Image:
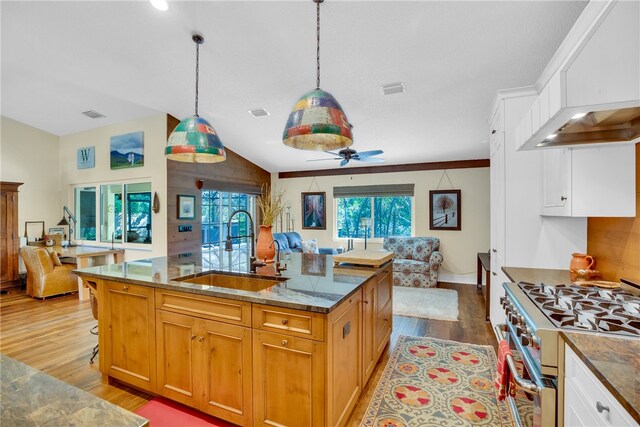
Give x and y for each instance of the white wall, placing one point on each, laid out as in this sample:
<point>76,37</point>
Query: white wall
<point>154,170</point>
<point>459,248</point>
<point>30,155</point>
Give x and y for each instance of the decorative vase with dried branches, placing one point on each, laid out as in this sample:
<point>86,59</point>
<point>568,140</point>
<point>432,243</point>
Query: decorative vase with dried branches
<point>271,206</point>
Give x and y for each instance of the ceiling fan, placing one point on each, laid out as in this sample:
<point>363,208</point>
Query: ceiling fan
<point>347,154</point>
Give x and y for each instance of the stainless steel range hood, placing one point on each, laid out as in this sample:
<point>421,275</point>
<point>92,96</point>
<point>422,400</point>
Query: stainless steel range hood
<point>619,125</point>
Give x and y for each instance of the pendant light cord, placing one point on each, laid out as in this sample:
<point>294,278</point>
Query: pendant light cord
<point>197,73</point>
<point>318,43</point>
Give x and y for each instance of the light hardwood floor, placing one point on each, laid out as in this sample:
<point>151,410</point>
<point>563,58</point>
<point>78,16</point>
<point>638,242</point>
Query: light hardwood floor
<point>53,336</point>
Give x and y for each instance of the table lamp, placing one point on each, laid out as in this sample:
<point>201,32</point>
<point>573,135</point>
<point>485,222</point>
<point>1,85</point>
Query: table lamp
<point>68,222</point>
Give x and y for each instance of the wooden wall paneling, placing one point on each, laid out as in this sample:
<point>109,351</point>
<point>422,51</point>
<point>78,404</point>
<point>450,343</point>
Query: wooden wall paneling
<point>181,179</point>
<point>615,242</point>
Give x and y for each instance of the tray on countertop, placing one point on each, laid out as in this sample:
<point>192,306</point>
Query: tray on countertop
<point>362,257</point>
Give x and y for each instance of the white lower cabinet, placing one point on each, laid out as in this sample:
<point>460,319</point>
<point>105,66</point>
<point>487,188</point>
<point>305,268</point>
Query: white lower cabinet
<point>586,401</point>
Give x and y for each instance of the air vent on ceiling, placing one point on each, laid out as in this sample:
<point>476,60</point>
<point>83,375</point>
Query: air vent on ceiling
<point>259,112</point>
<point>93,114</point>
<point>393,88</point>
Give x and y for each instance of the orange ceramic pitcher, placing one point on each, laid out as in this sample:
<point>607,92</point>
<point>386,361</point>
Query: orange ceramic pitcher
<point>582,262</point>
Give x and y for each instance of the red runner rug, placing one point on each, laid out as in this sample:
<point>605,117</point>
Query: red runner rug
<point>162,412</point>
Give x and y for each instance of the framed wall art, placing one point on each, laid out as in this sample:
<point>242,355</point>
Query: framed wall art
<point>186,206</point>
<point>445,210</point>
<point>86,157</point>
<point>314,215</point>
<point>127,151</point>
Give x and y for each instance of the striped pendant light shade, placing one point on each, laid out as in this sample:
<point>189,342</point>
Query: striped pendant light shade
<point>195,140</point>
<point>317,122</point>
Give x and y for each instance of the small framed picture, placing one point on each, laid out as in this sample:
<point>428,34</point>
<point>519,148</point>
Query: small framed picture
<point>445,210</point>
<point>186,207</point>
<point>314,215</point>
<point>56,230</point>
<point>86,157</point>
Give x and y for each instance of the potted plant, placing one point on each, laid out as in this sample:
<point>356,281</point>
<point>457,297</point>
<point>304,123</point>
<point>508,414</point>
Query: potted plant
<point>271,206</point>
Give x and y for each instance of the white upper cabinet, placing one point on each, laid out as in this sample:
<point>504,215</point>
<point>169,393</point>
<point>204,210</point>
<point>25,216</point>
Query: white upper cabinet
<point>589,182</point>
<point>599,71</point>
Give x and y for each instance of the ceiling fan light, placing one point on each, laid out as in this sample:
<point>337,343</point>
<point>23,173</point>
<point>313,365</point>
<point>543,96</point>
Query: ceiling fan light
<point>195,140</point>
<point>317,122</point>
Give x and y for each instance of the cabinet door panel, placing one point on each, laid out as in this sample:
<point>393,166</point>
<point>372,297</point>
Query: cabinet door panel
<point>176,337</point>
<point>288,380</point>
<point>369,358</point>
<point>226,375</point>
<point>129,326</point>
<point>345,364</point>
<point>556,182</point>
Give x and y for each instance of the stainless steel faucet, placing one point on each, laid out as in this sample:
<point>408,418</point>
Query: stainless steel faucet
<point>228,245</point>
<point>278,267</point>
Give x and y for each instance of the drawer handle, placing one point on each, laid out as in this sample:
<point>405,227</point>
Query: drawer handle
<point>284,343</point>
<point>600,407</point>
<point>193,337</point>
<point>365,302</point>
<point>200,338</point>
<point>494,273</point>
<point>563,198</point>
<point>285,321</point>
<point>125,288</point>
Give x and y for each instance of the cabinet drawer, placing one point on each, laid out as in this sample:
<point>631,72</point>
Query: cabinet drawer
<point>582,385</point>
<point>295,322</point>
<point>221,309</point>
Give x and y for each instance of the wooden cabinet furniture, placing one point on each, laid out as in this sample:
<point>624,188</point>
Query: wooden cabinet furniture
<point>127,333</point>
<point>9,238</point>
<point>595,181</point>
<point>202,363</point>
<point>586,401</point>
<point>248,363</point>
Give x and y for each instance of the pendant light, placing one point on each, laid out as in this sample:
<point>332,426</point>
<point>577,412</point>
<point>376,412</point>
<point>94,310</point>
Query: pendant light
<point>317,121</point>
<point>194,139</point>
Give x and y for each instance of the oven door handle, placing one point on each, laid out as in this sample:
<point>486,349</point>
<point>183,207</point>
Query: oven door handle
<point>528,386</point>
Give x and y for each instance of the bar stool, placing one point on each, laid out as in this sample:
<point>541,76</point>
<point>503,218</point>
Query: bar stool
<point>94,330</point>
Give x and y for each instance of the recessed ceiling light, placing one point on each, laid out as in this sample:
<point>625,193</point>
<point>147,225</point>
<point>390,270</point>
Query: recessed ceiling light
<point>160,4</point>
<point>578,116</point>
<point>259,112</point>
<point>392,88</point>
<point>93,114</point>
<point>551,136</point>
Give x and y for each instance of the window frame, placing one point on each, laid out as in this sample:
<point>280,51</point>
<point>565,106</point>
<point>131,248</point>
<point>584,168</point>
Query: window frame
<point>98,240</point>
<point>371,239</point>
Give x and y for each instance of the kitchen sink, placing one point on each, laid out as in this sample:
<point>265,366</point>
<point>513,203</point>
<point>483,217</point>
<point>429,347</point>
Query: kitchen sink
<point>245,283</point>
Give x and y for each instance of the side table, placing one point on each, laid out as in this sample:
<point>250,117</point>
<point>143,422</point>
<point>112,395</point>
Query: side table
<point>484,263</point>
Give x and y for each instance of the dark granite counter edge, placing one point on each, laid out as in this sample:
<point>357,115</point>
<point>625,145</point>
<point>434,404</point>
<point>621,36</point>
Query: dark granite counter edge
<point>221,293</point>
<point>504,270</point>
<point>633,412</point>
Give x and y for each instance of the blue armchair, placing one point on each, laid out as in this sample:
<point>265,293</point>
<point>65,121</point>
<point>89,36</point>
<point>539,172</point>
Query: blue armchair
<point>292,242</point>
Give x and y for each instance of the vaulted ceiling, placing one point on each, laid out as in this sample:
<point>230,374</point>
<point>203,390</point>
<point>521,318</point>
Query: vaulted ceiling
<point>127,60</point>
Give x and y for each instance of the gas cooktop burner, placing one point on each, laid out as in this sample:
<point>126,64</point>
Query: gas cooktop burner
<point>587,308</point>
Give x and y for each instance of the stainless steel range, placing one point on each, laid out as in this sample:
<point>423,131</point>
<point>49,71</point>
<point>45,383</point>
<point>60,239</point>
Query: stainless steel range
<point>535,315</point>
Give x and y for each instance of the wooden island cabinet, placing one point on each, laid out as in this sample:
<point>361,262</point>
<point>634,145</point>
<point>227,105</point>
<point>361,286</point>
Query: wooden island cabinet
<point>253,364</point>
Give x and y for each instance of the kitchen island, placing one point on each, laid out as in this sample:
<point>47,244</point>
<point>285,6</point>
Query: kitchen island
<point>261,349</point>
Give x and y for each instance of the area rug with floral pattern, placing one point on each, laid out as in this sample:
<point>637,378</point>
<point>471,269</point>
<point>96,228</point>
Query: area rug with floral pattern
<point>432,382</point>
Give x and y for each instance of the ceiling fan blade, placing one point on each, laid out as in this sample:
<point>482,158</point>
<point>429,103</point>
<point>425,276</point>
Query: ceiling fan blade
<point>319,160</point>
<point>370,160</point>
<point>369,153</point>
<point>332,153</point>
<point>344,162</point>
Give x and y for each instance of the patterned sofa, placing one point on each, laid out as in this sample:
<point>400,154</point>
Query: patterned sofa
<point>416,261</point>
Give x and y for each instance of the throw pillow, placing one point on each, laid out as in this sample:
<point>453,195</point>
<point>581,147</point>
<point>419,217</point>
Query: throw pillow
<point>55,259</point>
<point>309,247</point>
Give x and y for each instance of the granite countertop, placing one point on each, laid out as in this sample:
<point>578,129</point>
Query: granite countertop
<point>310,282</point>
<point>613,360</point>
<point>33,398</point>
<point>537,275</point>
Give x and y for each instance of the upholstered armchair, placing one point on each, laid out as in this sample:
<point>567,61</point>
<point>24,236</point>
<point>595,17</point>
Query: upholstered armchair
<point>44,277</point>
<point>416,261</point>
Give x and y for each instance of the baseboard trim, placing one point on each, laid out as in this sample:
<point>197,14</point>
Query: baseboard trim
<point>467,279</point>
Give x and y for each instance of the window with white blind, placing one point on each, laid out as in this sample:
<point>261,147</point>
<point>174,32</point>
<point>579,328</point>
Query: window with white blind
<point>375,210</point>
